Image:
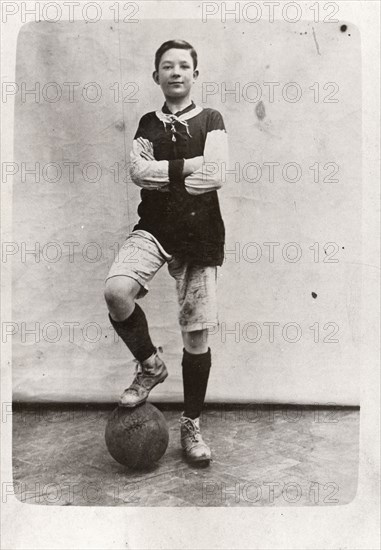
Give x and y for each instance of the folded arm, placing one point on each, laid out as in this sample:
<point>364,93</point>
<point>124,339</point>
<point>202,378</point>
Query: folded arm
<point>202,174</point>
<point>145,171</point>
<point>207,176</point>
<point>199,175</point>
<point>149,173</point>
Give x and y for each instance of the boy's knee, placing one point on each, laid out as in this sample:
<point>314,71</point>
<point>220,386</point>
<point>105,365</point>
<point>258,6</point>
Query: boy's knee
<point>196,341</point>
<point>120,290</point>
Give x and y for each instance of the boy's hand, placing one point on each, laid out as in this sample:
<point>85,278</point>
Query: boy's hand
<point>146,149</point>
<point>191,165</point>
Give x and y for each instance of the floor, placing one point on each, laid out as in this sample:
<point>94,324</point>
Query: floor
<point>262,456</point>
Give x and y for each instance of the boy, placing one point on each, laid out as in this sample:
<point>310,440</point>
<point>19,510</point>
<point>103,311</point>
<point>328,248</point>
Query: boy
<point>175,159</point>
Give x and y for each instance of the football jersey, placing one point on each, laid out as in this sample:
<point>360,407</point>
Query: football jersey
<point>183,213</point>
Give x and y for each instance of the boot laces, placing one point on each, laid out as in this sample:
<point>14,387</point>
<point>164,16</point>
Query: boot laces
<point>138,380</point>
<point>193,431</point>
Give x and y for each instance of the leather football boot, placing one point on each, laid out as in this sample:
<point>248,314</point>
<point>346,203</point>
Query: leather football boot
<point>195,449</point>
<point>148,374</point>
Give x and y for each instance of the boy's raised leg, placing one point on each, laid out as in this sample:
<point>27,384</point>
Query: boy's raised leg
<point>133,330</point>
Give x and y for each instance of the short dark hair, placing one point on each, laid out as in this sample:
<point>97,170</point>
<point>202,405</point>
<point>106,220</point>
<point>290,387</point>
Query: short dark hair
<point>178,44</point>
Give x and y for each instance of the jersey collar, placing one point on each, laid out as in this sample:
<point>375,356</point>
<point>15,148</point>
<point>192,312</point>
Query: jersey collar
<point>186,110</point>
<point>189,112</point>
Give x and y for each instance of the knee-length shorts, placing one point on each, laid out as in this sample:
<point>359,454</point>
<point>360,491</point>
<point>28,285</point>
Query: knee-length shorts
<point>141,257</point>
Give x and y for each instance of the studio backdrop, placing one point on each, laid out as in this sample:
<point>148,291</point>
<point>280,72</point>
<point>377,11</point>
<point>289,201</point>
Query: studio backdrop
<point>290,288</point>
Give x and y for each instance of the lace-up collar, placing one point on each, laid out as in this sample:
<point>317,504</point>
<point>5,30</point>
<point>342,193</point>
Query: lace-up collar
<point>180,117</point>
<point>166,110</point>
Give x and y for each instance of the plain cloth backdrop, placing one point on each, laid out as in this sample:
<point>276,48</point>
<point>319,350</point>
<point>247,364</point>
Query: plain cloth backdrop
<point>73,355</point>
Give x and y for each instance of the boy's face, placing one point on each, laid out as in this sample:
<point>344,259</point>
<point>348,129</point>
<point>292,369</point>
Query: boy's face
<point>176,75</point>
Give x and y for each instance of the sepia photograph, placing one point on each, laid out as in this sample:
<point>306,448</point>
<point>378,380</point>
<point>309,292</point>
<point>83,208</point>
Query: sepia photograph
<point>187,276</point>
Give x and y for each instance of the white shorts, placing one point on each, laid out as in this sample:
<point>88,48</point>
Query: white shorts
<point>141,257</point>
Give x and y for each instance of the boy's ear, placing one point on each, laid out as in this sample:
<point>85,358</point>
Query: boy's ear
<point>155,76</point>
<point>195,74</point>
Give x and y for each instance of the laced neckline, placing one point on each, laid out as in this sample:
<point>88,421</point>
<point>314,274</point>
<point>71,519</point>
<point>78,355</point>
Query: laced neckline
<point>166,110</point>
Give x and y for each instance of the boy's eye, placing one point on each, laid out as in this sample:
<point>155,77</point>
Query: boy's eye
<point>183,66</point>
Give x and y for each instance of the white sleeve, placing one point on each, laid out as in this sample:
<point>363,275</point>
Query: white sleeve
<point>208,177</point>
<point>149,174</point>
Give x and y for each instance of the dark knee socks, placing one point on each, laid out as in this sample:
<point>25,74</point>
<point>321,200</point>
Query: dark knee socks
<point>134,333</point>
<point>195,381</point>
